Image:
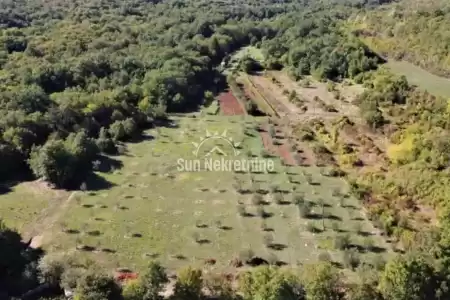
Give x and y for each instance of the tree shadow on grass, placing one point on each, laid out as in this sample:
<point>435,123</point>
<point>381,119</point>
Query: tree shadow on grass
<point>376,249</point>
<point>141,138</point>
<point>280,263</point>
<point>277,246</point>
<point>365,233</point>
<point>284,202</point>
<point>226,228</point>
<point>332,217</point>
<point>21,175</point>
<point>166,123</point>
<point>95,182</point>
<point>4,189</point>
<point>203,241</point>
<point>108,164</point>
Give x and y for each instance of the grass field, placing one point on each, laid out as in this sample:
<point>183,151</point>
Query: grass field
<point>155,211</point>
<point>434,84</point>
<point>250,51</point>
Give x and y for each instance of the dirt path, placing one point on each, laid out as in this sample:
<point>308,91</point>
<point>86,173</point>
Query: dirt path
<point>39,230</point>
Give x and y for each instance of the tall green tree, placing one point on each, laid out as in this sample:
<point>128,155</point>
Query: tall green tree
<point>408,278</point>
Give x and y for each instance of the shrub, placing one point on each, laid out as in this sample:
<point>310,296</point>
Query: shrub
<point>311,227</point>
<point>70,277</point>
<point>218,287</point>
<point>261,212</point>
<point>241,210</point>
<point>368,243</point>
<point>298,199</point>
<point>149,284</point>
<point>132,290</point>
<point>278,197</point>
<point>64,163</point>
<point>351,258</point>
<point>304,209</point>
<point>324,257</point>
<point>129,126</point>
<point>95,286</point>
<point>269,283</point>
<point>117,131</point>
<point>335,226</point>
<point>268,240</point>
<point>257,199</point>
<point>357,227</point>
<point>378,262</point>
<point>105,143</point>
<point>189,284</point>
<point>321,282</point>
<point>341,242</point>
<point>51,268</point>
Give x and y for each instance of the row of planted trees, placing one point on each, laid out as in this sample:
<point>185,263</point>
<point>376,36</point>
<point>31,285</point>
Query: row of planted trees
<point>411,277</point>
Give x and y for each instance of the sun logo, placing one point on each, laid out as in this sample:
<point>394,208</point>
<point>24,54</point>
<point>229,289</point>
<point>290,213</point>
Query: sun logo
<point>222,138</point>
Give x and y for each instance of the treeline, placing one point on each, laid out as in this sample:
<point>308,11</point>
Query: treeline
<point>314,44</point>
<point>412,277</point>
<point>413,31</point>
<point>416,126</point>
<point>29,274</point>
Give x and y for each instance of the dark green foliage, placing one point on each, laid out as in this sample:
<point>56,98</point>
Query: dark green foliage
<point>316,46</point>
<point>96,286</point>
<point>64,162</point>
<point>189,284</point>
<point>249,65</point>
<point>269,283</point>
<point>422,47</point>
<point>18,264</point>
<point>411,278</point>
<point>321,282</point>
<point>150,283</point>
<point>105,143</point>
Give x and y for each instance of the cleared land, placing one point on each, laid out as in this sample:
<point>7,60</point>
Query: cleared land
<point>153,210</point>
<point>149,203</point>
<point>229,105</point>
<point>425,80</point>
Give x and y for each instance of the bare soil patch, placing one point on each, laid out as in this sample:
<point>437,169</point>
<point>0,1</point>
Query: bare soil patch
<point>229,105</point>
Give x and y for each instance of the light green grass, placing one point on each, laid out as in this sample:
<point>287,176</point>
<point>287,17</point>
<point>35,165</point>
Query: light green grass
<point>151,197</point>
<point>434,84</point>
<point>24,204</point>
<point>250,51</point>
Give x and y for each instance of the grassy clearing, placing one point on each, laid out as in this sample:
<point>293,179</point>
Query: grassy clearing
<point>155,211</point>
<point>250,51</point>
<point>434,84</point>
<point>24,203</point>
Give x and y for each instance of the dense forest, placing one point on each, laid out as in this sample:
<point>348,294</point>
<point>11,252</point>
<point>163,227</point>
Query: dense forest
<point>76,78</point>
<point>416,31</point>
<point>79,78</point>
